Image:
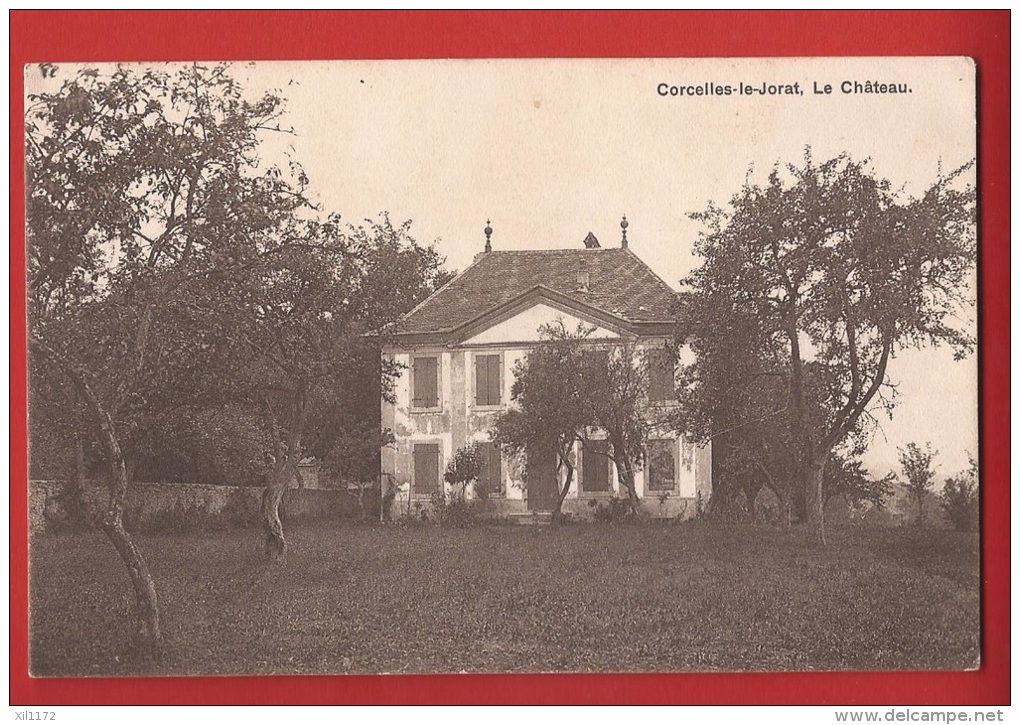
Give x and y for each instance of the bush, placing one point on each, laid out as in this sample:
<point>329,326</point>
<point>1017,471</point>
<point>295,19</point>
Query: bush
<point>465,467</point>
<point>179,517</point>
<point>240,511</point>
<point>959,499</point>
<point>617,509</point>
<point>452,511</point>
<point>66,510</point>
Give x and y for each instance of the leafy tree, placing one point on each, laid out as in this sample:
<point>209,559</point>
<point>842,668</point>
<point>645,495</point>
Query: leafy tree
<point>845,477</point>
<point>571,384</point>
<point>616,385</point>
<point>143,186</point>
<point>916,463</point>
<point>465,467</point>
<point>959,499</point>
<point>550,403</point>
<point>299,355</point>
<point>816,278</point>
<point>165,256</point>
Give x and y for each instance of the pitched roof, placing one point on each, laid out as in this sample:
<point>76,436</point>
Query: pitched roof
<point>619,284</point>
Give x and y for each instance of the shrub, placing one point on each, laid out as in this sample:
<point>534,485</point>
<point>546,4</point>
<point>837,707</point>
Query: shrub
<point>240,511</point>
<point>451,511</point>
<point>180,516</point>
<point>66,510</point>
<point>959,499</point>
<point>616,509</point>
<point>465,467</point>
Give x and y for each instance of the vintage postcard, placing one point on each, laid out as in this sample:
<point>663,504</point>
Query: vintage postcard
<point>443,366</point>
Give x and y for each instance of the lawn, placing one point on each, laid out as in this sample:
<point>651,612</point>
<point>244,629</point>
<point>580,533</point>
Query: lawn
<point>690,596</point>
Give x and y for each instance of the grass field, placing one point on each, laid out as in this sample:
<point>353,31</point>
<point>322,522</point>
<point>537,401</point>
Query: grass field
<point>690,596</point>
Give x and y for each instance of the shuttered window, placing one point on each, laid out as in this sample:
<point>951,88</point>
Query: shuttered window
<point>595,466</point>
<point>426,469</point>
<point>487,380</point>
<point>425,375</point>
<point>661,466</point>
<point>491,478</point>
<point>661,375</point>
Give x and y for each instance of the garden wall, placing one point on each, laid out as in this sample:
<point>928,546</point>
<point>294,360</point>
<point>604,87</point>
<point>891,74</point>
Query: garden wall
<point>167,506</point>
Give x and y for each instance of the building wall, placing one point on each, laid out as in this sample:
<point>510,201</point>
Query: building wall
<point>459,421</point>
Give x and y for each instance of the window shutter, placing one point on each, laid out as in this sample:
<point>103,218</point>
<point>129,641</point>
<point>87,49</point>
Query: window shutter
<point>426,468</point>
<point>595,466</point>
<point>426,383</point>
<point>493,382</point>
<point>661,380</point>
<point>481,379</point>
<point>661,466</point>
<point>492,469</point>
<point>487,380</point>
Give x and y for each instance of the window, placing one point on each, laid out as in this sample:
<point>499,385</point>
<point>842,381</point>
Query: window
<point>487,380</point>
<point>426,469</point>
<point>661,375</point>
<point>661,466</point>
<point>490,480</point>
<point>595,467</point>
<point>425,382</point>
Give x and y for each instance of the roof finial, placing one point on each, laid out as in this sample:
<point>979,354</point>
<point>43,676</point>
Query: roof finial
<point>488,235</point>
<point>623,226</point>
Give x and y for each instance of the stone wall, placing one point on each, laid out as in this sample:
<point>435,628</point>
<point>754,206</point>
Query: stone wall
<point>176,505</point>
<point>578,508</point>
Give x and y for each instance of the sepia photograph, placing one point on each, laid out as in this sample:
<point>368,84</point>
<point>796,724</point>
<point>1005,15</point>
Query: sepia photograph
<point>502,366</point>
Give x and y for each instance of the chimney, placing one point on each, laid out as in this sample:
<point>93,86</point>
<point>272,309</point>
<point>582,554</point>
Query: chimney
<point>583,277</point>
<point>623,226</point>
<point>590,242</point>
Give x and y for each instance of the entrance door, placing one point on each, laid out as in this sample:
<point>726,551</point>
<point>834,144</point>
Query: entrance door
<point>541,478</point>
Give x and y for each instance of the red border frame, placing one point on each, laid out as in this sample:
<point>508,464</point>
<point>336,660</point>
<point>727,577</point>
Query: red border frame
<point>984,35</point>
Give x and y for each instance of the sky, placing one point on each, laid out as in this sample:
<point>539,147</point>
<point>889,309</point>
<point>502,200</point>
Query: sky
<point>549,150</point>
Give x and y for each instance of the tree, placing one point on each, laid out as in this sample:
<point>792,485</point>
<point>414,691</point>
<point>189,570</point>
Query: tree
<point>299,355</point>
<point>465,467</point>
<point>916,463</point>
<point>959,499</point>
<point>616,385</point>
<point>838,271</point>
<point>550,402</point>
<point>845,477</point>
<point>570,385</point>
<point>145,190</point>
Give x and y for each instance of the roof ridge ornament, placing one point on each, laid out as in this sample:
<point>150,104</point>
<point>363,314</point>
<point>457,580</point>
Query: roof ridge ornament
<point>623,225</point>
<point>591,241</point>
<point>488,235</point>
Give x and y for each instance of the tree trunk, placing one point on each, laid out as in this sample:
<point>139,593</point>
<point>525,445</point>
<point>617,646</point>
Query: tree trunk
<point>149,635</point>
<point>557,513</point>
<point>287,457</point>
<point>815,498</point>
<point>276,486</point>
<point>625,471</point>
<point>146,603</point>
<point>76,510</point>
<point>920,511</point>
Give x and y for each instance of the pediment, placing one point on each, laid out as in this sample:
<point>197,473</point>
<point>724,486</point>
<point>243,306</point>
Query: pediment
<point>524,325</point>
